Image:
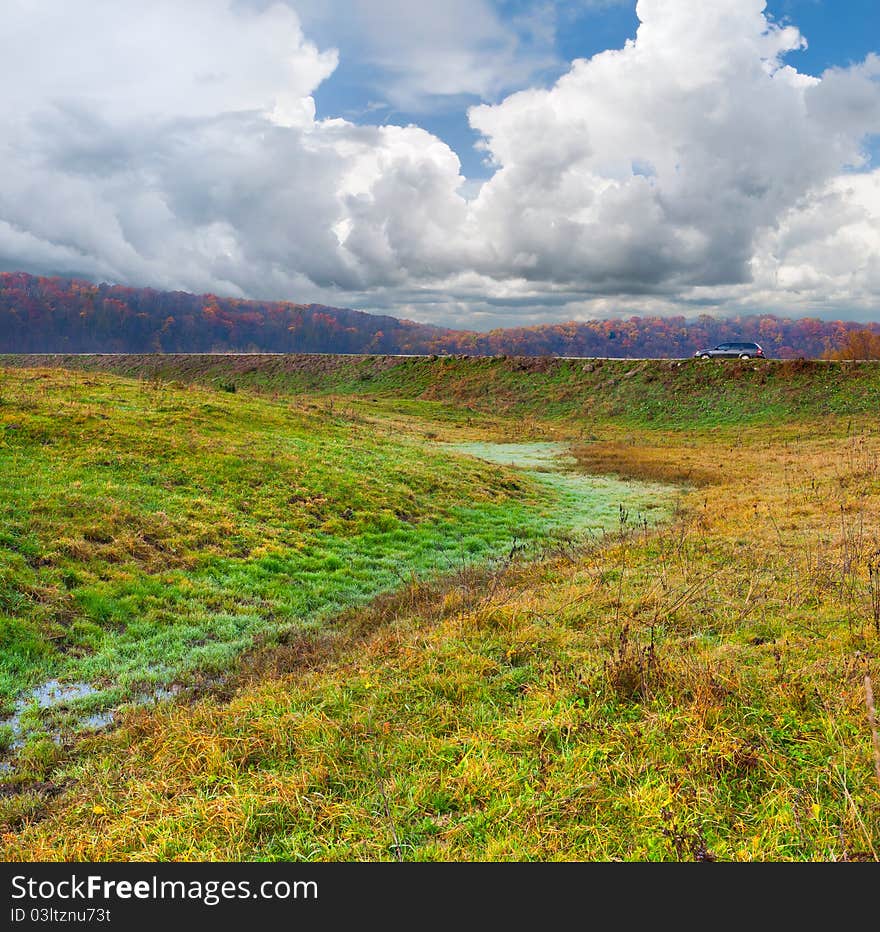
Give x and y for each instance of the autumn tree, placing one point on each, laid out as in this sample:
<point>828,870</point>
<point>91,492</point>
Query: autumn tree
<point>857,344</point>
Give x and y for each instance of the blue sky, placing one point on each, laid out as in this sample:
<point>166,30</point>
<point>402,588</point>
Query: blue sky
<point>839,33</point>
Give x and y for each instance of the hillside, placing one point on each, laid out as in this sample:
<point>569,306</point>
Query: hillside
<point>295,608</point>
<point>644,393</point>
<point>59,315</point>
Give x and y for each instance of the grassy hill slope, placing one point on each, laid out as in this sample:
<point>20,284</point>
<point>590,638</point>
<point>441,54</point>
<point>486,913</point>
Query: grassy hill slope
<point>640,393</point>
<point>693,691</point>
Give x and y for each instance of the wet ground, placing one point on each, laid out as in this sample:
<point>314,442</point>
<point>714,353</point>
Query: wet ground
<point>591,503</point>
<point>44,707</point>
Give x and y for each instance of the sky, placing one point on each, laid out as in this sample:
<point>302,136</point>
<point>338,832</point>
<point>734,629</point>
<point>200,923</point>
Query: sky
<point>471,163</point>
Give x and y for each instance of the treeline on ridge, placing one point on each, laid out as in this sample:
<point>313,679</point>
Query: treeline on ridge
<point>66,315</point>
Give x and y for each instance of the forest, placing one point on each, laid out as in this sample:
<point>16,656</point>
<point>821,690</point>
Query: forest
<point>68,315</point>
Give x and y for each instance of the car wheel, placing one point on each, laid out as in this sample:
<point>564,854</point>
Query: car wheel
<point>705,356</point>
<point>745,356</point>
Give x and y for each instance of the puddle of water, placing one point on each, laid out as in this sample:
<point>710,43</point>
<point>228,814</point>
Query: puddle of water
<point>97,721</point>
<point>157,695</point>
<point>51,694</point>
<point>54,694</point>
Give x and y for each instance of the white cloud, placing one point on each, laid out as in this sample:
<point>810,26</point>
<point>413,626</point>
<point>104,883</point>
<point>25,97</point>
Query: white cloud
<point>159,59</point>
<point>420,53</point>
<point>176,145</point>
<point>657,165</point>
<point>185,153</point>
<point>824,255</point>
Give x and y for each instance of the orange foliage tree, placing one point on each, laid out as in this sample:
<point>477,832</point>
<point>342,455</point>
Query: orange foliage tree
<point>858,344</point>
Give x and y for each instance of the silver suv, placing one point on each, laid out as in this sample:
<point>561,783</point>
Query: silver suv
<point>732,351</point>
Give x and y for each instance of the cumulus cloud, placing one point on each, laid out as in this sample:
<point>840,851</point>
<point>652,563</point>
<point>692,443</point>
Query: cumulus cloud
<point>654,167</point>
<point>823,256</point>
<point>176,145</point>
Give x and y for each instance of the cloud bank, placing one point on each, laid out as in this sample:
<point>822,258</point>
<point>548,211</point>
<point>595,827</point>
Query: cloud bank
<point>176,145</point>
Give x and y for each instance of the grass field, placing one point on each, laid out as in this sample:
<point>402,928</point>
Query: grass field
<point>373,671</point>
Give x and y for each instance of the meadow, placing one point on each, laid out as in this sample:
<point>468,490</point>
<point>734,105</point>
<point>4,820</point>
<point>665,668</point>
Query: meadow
<point>387,648</point>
